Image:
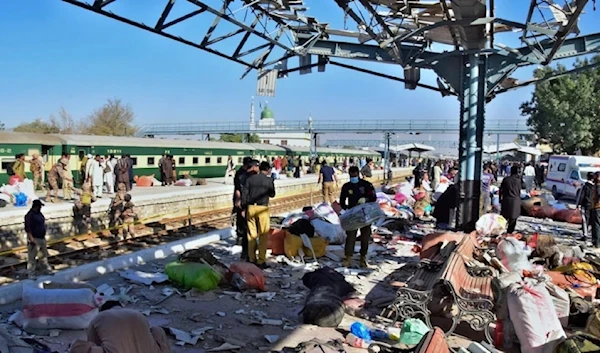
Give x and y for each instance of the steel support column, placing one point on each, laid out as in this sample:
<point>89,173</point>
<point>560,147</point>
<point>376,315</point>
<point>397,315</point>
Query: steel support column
<point>313,146</point>
<point>471,140</point>
<point>498,149</point>
<point>386,156</point>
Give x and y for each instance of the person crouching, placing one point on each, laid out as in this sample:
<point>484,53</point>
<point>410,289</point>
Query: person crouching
<point>116,329</point>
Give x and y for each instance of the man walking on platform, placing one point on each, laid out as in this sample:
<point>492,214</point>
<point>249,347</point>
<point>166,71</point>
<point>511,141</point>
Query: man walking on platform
<point>327,176</point>
<point>510,197</point>
<point>255,200</point>
<point>354,193</point>
<point>585,203</point>
<point>35,227</point>
<point>241,226</point>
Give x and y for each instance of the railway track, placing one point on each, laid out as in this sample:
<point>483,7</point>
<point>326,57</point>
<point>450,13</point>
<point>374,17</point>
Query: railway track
<point>102,244</point>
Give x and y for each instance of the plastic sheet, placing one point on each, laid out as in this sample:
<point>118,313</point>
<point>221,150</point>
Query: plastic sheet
<point>20,200</point>
<point>413,331</point>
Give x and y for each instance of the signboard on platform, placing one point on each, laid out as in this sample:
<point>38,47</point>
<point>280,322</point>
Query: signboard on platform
<point>267,79</point>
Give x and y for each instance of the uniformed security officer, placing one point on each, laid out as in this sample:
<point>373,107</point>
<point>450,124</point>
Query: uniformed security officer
<point>356,192</point>
<point>255,200</point>
<point>239,180</point>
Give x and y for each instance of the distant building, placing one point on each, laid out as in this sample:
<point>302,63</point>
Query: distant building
<point>267,120</point>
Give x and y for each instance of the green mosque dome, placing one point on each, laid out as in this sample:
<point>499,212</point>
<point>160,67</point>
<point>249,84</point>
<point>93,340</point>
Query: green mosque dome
<point>267,114</point>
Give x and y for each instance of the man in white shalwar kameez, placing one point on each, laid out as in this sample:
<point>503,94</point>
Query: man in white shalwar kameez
<point>109,176</point>
<point>88,167</point>
<point>97,174</point>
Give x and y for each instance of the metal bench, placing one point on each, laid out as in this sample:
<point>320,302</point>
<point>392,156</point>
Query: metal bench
<point>469,286</point>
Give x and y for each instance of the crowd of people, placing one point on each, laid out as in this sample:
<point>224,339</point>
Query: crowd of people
<point>254,186</point>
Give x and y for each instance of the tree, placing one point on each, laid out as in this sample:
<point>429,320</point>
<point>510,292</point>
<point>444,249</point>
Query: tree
<point>565,110</point>
<point>238,138</point>
<point>38,126</point>
<point>112,119</point>
<point>65,123</point>
<point>1,126</point>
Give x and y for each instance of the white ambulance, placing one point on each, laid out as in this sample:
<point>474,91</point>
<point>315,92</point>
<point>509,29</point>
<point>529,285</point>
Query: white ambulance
<point>567,174</point>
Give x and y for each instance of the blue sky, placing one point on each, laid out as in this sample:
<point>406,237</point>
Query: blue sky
<point>55,54</point>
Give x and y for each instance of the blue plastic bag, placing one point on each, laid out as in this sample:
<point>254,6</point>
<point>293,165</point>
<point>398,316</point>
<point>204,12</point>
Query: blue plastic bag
<point>361,331</point>
<point>20,199</point>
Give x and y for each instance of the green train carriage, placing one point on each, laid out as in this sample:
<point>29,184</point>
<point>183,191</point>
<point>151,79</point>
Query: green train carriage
<point>201,159</point>
<point>49,147</point>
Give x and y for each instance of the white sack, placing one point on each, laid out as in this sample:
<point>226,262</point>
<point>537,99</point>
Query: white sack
<point>361,216</point>
<point>332,232</point>
<point>58,308</point>
<point>534,317</point>
<point>327,213</point>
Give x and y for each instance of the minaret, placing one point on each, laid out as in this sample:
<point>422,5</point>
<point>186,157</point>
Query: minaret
<point>252,123</point>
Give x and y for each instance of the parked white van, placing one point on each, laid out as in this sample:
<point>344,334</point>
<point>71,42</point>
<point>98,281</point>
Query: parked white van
<point>567,174</point>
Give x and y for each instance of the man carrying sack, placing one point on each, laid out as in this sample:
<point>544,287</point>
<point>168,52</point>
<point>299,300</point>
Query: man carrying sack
<point>357,192</point>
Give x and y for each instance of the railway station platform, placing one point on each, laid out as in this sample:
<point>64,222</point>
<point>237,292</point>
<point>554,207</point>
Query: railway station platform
<point>154,204</point>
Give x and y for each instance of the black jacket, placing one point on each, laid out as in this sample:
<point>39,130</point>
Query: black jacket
<point>510,197</point>
<point>586,197</point>
<point>351,193</point>
<point>257,190</point>
<point>35,223</point>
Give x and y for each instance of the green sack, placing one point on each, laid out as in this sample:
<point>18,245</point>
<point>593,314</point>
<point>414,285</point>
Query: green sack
<point>579,343</point>
<point>193,275</point>
<point>413,331</point>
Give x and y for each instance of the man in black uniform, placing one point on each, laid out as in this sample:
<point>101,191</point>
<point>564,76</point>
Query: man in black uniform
<point>585,203</point>
<point>510,197</point>
<point>357,192</point>
<point>239,180</point>
<point>255,200</point>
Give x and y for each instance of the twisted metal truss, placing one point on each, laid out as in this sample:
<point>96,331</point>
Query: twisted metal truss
<point>553,22</point>
<point>255,29</point>
<point>412,34</point>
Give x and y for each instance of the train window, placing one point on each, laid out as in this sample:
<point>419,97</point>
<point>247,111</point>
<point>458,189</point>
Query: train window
<point>284,142</point>
<point>195,160</point>
<point>150,160</point>
<point>207,160</point>
<point>219,160</point>
<point>267,142</point>
<point>181,160</point>
<point>7,162</point>
<point>134,160</point>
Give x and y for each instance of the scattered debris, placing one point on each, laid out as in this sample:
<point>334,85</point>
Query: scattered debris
<point>144,277</point>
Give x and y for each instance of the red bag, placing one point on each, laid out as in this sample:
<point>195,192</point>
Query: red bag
<point>252,275</point>
<point>336,207</point>
<point>570,216</point>
<point>276,241</point>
